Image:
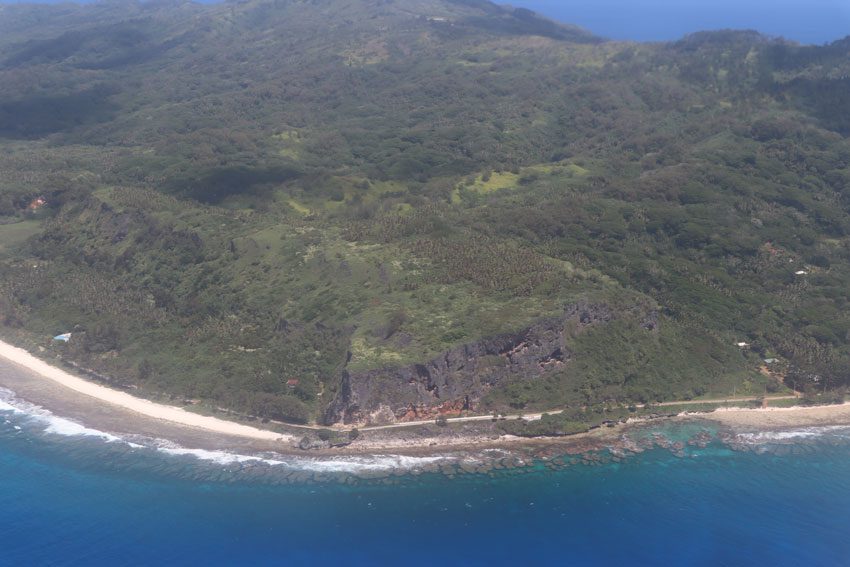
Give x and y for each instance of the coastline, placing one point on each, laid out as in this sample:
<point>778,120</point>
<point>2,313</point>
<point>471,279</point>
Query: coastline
<point>176,415</point>
<point>104,409</point>
<point>778,418</point>
<point>112,411</point>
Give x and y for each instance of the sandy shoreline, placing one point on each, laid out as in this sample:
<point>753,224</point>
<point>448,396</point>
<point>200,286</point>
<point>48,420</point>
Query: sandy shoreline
<point>777,418</point>
<point>104,409</point>
<point>140,406</point>
<point>110,410</point>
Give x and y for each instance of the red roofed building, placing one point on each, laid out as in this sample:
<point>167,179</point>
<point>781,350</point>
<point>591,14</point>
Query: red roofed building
<point>37,204</point>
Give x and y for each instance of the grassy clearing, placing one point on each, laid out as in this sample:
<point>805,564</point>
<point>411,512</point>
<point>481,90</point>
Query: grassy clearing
<point>360,190</point>
<point>299,208</point>
<point>491,182</point>
<point>590,56</point>
<point>290,143</point>
<point>334,194</point>
<point>787,403</point>
<point>578,170</point>
<point>690,408</point>
<point>738,384</point>
<point>436,318</point>
<point>496,181</point>
<point>12,235</point>
<point>485,183</point>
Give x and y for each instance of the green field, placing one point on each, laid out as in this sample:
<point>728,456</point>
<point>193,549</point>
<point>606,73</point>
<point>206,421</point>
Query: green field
<point>14,234</point>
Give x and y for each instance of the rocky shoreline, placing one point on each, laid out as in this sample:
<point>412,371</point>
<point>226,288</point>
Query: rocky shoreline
<point>469,447</point>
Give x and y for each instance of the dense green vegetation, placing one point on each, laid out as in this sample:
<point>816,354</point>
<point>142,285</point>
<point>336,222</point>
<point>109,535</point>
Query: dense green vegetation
<point>245,198</point>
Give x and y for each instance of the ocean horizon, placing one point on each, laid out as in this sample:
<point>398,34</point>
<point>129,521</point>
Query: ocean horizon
<point>813,22</point>
<point>71,494</point>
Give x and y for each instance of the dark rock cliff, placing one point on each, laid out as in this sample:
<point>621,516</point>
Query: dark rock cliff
<point>457,379</point>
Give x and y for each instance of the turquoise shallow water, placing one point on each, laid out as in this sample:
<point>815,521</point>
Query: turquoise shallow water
<point>70,496</point>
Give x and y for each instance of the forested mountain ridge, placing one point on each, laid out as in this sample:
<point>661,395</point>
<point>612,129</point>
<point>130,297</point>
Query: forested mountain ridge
<point>379,210</point>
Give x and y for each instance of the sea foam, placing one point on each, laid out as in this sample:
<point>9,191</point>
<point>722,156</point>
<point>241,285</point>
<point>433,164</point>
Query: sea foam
<point>354,464</point>
<point>52,424</point>
<point>796,434</point>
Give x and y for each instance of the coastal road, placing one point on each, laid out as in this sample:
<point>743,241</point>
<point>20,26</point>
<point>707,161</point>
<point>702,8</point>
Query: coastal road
<point>525,416</point>
<point>536,416</point>
<point>725,400</point>
<point>180,415</point>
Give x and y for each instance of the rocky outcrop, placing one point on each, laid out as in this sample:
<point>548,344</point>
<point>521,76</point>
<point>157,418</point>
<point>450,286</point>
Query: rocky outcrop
<point>456,380</point>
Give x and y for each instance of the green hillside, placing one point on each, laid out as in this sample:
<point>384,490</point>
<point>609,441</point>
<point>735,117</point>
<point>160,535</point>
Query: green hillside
<point>267,205</point>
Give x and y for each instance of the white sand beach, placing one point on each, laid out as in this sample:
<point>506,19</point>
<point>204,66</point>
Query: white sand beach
<point>797,416</point>
<point>138,405</point>
<point>768,418</point>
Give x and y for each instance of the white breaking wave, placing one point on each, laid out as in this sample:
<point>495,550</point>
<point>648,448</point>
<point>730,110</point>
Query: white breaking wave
<point>214,456</point>
<point>794,434</point>
<point>376,463</point>
<point>53,423</point>
<point>346,464</point>
<point>354,464</point>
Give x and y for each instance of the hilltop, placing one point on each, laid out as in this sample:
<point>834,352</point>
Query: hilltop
<point>373,210</point>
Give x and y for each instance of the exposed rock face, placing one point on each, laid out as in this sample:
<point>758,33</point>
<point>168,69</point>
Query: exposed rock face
<point>456,380</point>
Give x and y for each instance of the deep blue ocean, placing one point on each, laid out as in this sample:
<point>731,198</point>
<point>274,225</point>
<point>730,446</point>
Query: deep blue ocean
<point>70,495</point>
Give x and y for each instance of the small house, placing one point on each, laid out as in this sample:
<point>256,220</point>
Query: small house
<point>36,204</point>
